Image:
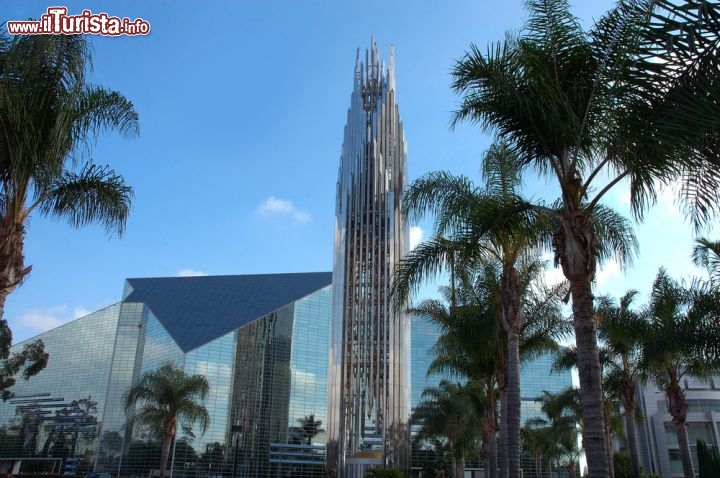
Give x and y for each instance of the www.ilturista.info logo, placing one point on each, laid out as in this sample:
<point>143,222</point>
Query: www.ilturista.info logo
<point>57,22</point>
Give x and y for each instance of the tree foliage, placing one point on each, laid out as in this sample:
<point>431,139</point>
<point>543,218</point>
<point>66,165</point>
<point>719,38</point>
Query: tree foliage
<point>708,461</point>
<point>165,397</point>
<point>635,97</point>
<point>681,341</point>
<point>50,117</point>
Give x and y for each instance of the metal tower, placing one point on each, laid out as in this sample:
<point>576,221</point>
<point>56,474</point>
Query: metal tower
<point>369,375</point>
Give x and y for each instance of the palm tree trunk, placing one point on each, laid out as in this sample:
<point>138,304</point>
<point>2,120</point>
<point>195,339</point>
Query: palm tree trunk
<point>608,440</point>
<point>588,361</point>
<point>514,405</point>
<point>503,432</point>
<point>491,419</point>
<point>12,261</point>
<point>631,429</point>
<point>571,470</point>
<point>684,445</point>
<point>4,292</point>
<point>165,453</point>
<point>628,401</point>
<point>575,246</point>
<point>503,436</point>
<point>677,407</point>
<point>458,467</point>
<point>512,316</point>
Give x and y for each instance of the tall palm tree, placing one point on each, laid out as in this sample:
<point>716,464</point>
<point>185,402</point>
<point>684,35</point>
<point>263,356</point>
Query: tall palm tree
<point>165,397</point>
<point>466,219</point>
<point>566,359</point>
<point>49,118</point>
<point>621,331</point>
<point>448,412</point>
<point>681,341</point>
<point>634,98</point>
<point>470,345</point>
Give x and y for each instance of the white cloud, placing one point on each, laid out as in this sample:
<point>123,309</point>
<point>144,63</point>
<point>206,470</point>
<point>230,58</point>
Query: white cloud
<point>80,312</point>
<point>553,275</point>
<point>416,236</point>
<point>190,273</point>
<point>306,387</point>
<point>610,270</point>
<point>273,206</point>
<point>42,320</point>
<point>667,198</point>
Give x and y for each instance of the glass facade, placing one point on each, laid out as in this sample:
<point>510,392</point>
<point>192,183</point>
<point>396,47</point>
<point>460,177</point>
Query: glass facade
<point>269,380</point>
<point>268,383</point>
<point>535,375</point>
<point>75,379</point>
<point>370,361</point>
<point>424,336</point>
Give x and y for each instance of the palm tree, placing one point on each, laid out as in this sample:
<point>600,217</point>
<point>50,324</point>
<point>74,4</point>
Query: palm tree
<point>621,331</point>
<point>470,345</point>
<point>165,397</point>
<point>448,412</point>
<point>49,118</point>
<point>634,98</point>
<point>309,428</point>
<point>466,221</point>
<point>566,359</point>
<point>560,429</point>
<point>681,340</point>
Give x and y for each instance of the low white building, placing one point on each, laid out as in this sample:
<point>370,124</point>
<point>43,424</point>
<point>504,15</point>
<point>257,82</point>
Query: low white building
<point>659,451</point>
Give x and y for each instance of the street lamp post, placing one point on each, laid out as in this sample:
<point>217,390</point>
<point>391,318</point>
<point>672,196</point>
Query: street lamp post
<point>236,431</point>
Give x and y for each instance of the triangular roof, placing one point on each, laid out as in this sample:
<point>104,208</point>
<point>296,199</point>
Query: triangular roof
<point>197,310</point>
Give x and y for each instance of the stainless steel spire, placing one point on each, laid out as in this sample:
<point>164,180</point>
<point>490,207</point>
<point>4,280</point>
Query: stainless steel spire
<point>369,376</point>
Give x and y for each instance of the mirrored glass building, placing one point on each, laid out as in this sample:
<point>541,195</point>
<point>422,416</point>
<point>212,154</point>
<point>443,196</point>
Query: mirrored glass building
<point>370,348</point>
<point>309,373</point>
<point>260,340</point>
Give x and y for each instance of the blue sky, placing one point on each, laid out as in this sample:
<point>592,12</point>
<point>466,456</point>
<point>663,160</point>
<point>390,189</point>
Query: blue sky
<point>242,107</point>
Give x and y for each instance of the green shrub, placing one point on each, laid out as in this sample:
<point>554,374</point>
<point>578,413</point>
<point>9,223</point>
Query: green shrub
<point>708,461</point>
<point>622,465</point>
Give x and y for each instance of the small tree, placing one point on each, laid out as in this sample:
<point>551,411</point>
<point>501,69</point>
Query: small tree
<point>309,428</point>
<point>449,413</point>
<point>164,397</point>
<point>682,341</point>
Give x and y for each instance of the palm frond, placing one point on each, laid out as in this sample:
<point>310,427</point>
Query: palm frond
<point>675,78</point>
<point>437,194</point>
<point>501,170</point>
<point>706,254</point>
<point>616,236</point>
<point>94,195</point>
<point>167,394</point>
<point>428,259</point>
<point>98,110</point>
